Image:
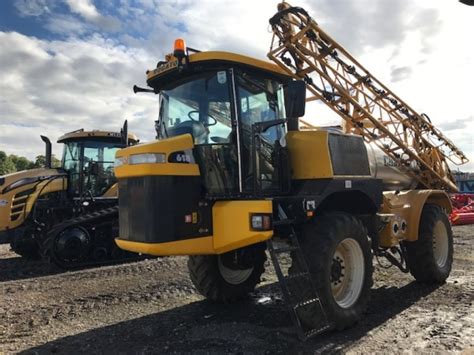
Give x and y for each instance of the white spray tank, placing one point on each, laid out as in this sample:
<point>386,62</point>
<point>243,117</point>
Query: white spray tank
<point>385,168</point>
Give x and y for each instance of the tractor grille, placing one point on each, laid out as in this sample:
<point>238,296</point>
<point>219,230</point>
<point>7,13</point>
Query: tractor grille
<point>19,204</point>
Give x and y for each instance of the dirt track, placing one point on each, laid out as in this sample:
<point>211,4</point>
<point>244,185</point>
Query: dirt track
<point>151,306</point>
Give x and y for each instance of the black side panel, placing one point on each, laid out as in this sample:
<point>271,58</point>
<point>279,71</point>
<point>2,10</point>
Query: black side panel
<point>348,155</point>
<point>359,195</point>
<point>162,209</point>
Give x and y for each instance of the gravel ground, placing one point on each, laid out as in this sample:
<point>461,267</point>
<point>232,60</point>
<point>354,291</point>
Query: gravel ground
<point>151,307</point>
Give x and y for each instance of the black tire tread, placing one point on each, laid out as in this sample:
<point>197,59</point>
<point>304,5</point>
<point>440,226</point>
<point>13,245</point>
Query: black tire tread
<point>205,275</point>
<point>322,243</point>
<point>420,255</point>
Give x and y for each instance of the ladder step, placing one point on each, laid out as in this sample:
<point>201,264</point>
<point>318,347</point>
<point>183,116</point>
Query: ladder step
<point>284,222</point>
<point>285,249</point>
<point>316,331</point>
<point>297,275</point>
<point>305,303</point>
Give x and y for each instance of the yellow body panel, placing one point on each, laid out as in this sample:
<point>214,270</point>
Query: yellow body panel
<point>165,146</point>
<point>112,191</point>
<point>231,224</point>
<point>196,246</point>
<point>220,56</point>
<point>309,154</point>
<point>156,169</point>
<point>407,207</point>
<point>27,201</point>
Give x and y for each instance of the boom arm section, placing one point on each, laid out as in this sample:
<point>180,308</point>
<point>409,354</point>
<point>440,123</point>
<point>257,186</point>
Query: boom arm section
<point>369,108</point>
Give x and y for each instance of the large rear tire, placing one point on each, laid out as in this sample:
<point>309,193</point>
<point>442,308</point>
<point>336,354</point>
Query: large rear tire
<point>337,252</point>
<point>431,256</point>
<point>227,277</point>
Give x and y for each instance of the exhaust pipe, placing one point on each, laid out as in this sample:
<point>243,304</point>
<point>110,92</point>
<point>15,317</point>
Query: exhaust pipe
<point>47,156</point>
<point>124,133</point>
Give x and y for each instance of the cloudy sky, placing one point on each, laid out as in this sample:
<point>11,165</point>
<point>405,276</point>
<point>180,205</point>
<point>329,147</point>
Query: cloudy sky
<point>71,64</point>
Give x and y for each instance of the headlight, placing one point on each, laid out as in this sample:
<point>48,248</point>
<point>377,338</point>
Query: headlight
<point>261,222</point>
<point>119,161</point>
<point>147,158</point>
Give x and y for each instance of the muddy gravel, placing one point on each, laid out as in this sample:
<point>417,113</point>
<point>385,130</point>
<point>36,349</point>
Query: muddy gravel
<point>151,307</point>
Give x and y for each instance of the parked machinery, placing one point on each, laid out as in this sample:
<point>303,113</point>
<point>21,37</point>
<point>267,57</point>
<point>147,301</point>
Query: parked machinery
<point>68,214</point>
<point>235,176</point>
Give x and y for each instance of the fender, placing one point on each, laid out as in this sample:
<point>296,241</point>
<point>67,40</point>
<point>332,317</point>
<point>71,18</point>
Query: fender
<point>407,206</point>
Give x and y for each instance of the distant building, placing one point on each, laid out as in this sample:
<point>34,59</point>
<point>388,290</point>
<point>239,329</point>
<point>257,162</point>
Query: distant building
<point>465,181</point>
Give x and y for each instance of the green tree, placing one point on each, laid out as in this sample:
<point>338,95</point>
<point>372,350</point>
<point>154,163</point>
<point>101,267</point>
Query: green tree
<point>6,165</point>
<point>21,163</point>
<point>55,162</point>
<point>40,161</point>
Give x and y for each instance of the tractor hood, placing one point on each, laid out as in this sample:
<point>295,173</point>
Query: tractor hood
<point>18,179</point>
<point>19,191</point>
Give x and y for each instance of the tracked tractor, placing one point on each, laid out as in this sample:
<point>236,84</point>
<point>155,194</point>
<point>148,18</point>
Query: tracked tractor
<point>66,214</point>
<point>233,174</point>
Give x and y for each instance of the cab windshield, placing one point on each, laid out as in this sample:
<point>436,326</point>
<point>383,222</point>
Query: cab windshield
<point>200,107</point>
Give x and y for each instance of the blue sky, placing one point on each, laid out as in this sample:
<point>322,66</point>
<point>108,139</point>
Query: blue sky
<point>69,64</point>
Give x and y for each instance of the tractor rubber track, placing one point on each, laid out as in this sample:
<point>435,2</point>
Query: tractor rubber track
<point>88,221</point>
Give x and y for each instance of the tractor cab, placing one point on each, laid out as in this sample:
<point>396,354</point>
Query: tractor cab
<point>88,159</point>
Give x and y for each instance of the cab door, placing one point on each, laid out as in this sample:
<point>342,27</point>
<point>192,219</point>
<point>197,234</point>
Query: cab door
<point>265,164</point>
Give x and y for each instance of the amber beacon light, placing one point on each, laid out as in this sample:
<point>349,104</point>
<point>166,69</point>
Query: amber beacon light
<point>179,48</point>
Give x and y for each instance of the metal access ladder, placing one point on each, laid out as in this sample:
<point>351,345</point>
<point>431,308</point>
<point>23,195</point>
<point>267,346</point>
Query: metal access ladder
<point>293,298</point>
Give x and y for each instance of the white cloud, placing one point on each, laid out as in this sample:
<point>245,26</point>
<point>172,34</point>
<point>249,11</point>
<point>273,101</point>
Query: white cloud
<point>89,12</point>
<point>52,87</point>
<point>31,7</point>
<point>66,24</point>
<point>399,73</point>
<point>84,8</point>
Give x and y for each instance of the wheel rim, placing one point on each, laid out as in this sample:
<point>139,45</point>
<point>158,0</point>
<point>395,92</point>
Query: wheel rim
<point>233,276</point>
<point>72,244</point>
<point>347,273</point>
<point>440,244</point>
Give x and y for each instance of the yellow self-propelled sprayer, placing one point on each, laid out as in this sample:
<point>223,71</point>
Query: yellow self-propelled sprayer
<point>232,175</point>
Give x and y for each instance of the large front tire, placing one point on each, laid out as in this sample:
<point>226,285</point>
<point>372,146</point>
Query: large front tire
<point>337,251</point>
<point>431,256</point>
<point>227,277</point>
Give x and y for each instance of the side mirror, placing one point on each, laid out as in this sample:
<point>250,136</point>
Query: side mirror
<point>295,102</point>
